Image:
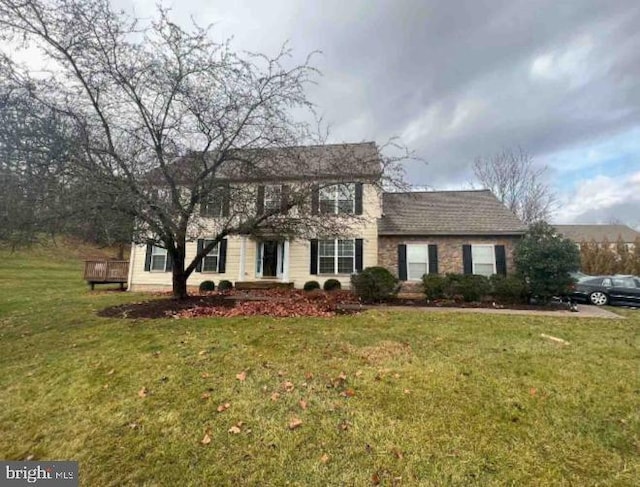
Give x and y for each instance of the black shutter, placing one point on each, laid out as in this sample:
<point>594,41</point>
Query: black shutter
<point>313,264</point>
<point>467,262</point>
<point>226,199</point>
<point>169,266</point>
<point>315,200</point>
<point>501,260</point>
<point>433,259</point>
<point>147,257</point>
<point>260,201</point>
<point>222,259</point>
<point>359,258</point>
<point>402,262</point>
<point>200,247</point>
<point>359,187</point>
<point>284,198</point>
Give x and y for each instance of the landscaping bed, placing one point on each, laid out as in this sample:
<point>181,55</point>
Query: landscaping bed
<point>281,303</point>
<point>287,303</point>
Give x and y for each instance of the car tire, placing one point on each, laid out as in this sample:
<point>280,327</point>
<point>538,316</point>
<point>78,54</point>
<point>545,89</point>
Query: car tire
<point>598,298</point>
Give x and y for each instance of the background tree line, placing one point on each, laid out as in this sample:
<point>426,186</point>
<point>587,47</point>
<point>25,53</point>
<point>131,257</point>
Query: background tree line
<point>606,258</point>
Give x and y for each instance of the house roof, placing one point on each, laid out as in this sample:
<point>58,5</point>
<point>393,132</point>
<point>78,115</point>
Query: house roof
<point>328,161</point>
<point>447,213</point>
<point>587,233</point>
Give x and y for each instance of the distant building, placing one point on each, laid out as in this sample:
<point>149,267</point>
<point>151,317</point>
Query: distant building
<point>599,234</point>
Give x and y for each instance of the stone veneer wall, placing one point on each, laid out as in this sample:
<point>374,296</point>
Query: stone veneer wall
<point>449,252</point>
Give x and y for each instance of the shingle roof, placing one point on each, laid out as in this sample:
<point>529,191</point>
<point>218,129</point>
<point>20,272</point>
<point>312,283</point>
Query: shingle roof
<point>447,213</point>
<point>333,161</point>
<point>586,233</point>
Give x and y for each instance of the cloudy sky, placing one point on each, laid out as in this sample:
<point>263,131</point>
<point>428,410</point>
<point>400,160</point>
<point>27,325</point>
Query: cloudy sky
<point>458,79</point>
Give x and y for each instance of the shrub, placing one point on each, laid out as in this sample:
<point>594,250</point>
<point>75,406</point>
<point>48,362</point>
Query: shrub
<point>434,286</point>
<point>332,285</point>
<point>544,259</point>
<point>206,286</point>
<point>509,289</point>
<point>225,285</point>
<point>470,286</point>
<point>374,284</point>
<point>311,285</point>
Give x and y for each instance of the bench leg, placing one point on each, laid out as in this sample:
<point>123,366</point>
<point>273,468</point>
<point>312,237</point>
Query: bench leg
<point>93,285</point>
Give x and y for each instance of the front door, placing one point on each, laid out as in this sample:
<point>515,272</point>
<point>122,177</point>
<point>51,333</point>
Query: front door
<point>270,258</point>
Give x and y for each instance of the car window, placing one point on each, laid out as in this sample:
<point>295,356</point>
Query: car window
<point>623,282</point>
<point>606,282</point>
<point>592,282</point>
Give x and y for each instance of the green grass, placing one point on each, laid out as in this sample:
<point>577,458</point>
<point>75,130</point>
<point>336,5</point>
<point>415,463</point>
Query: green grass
<point>438,398</point>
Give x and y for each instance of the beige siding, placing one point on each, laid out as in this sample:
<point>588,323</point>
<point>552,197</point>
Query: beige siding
<point>299,254</point>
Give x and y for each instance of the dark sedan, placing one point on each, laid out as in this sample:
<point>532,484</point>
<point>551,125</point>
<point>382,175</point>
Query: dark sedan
<point>608,290</point>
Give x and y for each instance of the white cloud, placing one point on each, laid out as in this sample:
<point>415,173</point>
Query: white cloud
<point>602,199</point>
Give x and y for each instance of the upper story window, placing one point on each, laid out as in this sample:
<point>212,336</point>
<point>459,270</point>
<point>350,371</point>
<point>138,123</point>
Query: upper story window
<point>272,197</point>
<point>216,203</point>
<point>338,198</point>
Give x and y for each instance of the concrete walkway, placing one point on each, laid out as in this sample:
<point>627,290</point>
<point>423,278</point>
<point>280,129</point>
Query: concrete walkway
<point>584,311</point>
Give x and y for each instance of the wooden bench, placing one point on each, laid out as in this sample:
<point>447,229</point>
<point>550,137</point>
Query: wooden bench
<point>106,272</point>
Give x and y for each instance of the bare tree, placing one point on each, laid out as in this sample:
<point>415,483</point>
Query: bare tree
<point>513,177</point>
<point>169,122</point>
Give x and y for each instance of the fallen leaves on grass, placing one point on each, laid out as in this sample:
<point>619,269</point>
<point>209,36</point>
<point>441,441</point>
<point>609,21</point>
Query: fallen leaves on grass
<point>288,386</point>
<point>242,376</point>
<point>205,395</point>
<point>275,396</point>
<point>303,404</point>
<point>348,393</point>
<point>207,438</point>
<point>111,372</point>
<point>295,423</point>
<point>223,407</point>
<point>143,392</point>
<point>325,458</point>
<point>236,428</point>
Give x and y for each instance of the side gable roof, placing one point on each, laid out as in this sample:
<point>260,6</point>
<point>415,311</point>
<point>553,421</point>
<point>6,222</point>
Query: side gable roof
<point>447,213</point>
<point>586,233</point>
<point>319,162</point>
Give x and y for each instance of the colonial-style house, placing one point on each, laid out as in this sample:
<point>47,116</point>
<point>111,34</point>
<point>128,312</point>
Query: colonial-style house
<point>468,232</point>
<point>273,257</point>
<point>410,234</point>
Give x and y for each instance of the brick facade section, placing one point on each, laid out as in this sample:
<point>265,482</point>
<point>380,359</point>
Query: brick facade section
<point>449,252</point>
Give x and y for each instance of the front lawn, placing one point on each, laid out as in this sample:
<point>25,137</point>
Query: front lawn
<point>386,398</point>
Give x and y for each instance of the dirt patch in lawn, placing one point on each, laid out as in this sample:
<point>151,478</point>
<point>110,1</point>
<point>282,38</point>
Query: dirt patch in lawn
<point>277,303</point>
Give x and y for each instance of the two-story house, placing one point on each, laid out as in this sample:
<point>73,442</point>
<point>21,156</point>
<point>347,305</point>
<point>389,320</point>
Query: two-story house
<point>343,192</point>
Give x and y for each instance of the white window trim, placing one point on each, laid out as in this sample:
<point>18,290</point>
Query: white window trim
<point>335,189</point>
<point>473,261</point>
<point>426,249</point>
<point>211,254</point>
<point>156,251</point>
<point>336,255</point>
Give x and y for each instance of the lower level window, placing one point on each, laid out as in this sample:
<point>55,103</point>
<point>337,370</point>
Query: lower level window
<point>158,259</point>
<point>336,256</point>
<point>484,259</point>
<point>210,261</point>
<point>417,261</point>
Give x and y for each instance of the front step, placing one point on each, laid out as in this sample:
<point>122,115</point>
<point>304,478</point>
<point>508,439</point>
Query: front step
<point>249,285</point>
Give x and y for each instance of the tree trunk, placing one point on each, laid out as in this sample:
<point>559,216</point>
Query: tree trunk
<point>179,275</point>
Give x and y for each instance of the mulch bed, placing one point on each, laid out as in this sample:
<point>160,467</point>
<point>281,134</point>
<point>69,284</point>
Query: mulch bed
<point>281,303</point>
